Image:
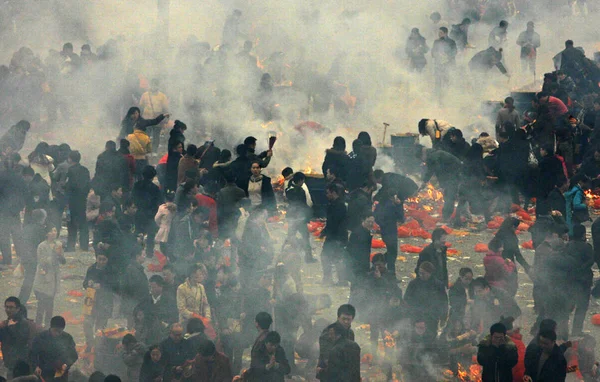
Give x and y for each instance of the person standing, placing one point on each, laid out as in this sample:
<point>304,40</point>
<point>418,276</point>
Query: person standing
<point>546,361</point>
<point>435,253</point>
<point>33,234</point>
<point>15,333</point>
<point>497,37</point>
<point>388,213</point>
<point>344,357</point>
<point>147,197</point>
<point>507,114</point>
<point>154,103</point>
<point>77,188</point>
<point>47,279</point>
<point>582,255</point>
<point>416,47</point>
<point>101,280</point>
<point>269,362</point>
<point>498,354</point>
<point>444,58</point>
<point>191,295</point>
<point>175,352</point>
<point>111,170</point>
<point>53,352</point>
<point>299,214</point>
<point>529,41</point>
<point>335,234</point>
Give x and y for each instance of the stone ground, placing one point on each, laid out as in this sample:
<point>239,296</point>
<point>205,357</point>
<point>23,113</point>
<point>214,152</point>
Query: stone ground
<point>77,263</point>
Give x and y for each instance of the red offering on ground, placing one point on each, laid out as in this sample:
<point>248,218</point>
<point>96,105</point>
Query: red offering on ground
<point>411,224</point>
<point>447,229</point>
<point>410,248</point>
<point>75,293</point>
<point>481,248</point>
<point>452,251</point>
<point>527,245</point>
<point>523,227</point>
<point>494,224</point>
<point>596,319</point>
<point>403,232</point>
<point>524,215</point>
<point>377,243</point>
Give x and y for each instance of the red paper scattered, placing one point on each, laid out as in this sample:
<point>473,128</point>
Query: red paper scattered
<point>493,224</point>
<point>403,232</point>
<point>411,224</point>
<point>452,251</point>
<point>527,245</point>
<point>75,293</point>
<point>596,319</point>
<point>523,227</point>
<point>524,215</point>
<point>410,248</point>
<point>448,244</point>
<point>447,229</point>
<point>481,248</point>
<point>377,243</point>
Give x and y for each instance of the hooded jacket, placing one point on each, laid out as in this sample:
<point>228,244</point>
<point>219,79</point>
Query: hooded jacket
<point>497,362</point>
<point>337,159</point>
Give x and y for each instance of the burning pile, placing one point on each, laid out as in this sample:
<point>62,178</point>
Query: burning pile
<point>593,198</point>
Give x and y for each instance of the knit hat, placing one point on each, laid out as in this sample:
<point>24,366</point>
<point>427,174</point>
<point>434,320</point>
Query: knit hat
<point>427,267</point>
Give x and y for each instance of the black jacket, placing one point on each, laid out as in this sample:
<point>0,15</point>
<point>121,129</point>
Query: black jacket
<point>147,197</point>
<point>165,309</point>
<point>554,369</point>
<point>174,354</point>
<point>15,341</point>
<point>439,261</point>
<point>445,166</point>
<point>337,159</point>
<point>111,170</point>
<point>49,353</point>
<point>297,207</point>
<point>359,251</point>
<point>359,204</point>
<point>78,184</point>
<point>261,358</point>
<point>172,171</point>
<point>337,222</point>
<point>12,193</point>
<point>497,362</point>
<point>175,136</point>
<point>426,299</point>
<point>457,296</point>
<point>33,235</point>
<point>344,362</point>
<point>127,125</point>
<point>551,175</point>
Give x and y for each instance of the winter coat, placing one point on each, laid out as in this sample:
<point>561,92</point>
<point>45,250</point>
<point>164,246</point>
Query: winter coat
<point>175,137</point>
<point>554,369</point>
<point>359,204</point>
<point>337,222</point>
<point>111,171</point>
<point>15,340</point>
<point>221,369</point>
<point>185,164</point>
<point>172,176</point>
<point>133,359</point>
<point>550,175</point>
<point>497,269</point>
<point>147,197</point>
<point>165,309</point>
<point>445,166</point>
<point>432,126</point>
<point>387,215</point>
<point>261,358</point>
<point>104,294</point>
<point>33,235</point>
<point>518,370</point>
<point>14,138</point>
<point>577,210</point>
<point>337,159</point>
<point>485,60</point>
<point>191,299</point>
<point>210,204</point>
<point>151,370</point>
<point>163,218</point>
<point>297,205</point>
<point>140,144</point>
<point>416,47</point>
<point>497,362</point>
<point>134,287</point>
<point>47,277</point>
<point>49,353</point>
<point>267,195</point>
<point>174,354</point>
<point>439,261</point>
<point>78,185</point>
<point>457,296</point>
<point>344,362</point>
<point>427,299</point>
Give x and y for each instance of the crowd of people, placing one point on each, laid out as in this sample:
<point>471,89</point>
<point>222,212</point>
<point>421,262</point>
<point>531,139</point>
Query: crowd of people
<point>221,288</point>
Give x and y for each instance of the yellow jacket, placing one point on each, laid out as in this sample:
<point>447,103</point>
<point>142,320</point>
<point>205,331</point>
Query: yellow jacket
<point>153,104</point>
<point>140,144</point>
<point>192,299</point>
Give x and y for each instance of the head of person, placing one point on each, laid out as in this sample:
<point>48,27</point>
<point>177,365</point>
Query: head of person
<point>168,274</point>
<point>107,209</point>
<point>117,192</point>
<point>464,25</point>
<point>224,156</point>
<point>547,150</point>
<point>503,24</point>
<point>67,48</point>
<point>426,270</point>
<point>332,173</point>
<point>110,146</point>
<point>498,334</point>
<point>179,126</point>
<point>195,325</point>
<point>569,44</point>
<point>128,341</point>
<point>272,341</point>
<point>438,238</point>
<point>176,332</point>
<point>509,103</point>
<point>191,150</point>
<point>154,84</point>
<point>129,207</point>
<point>339,144</point>
<point>157,284</point>
<point>207,350</point>
<point>378,176</point>
<point>250,142</point>
<point>148,173</point>
<point>263,321</point>
<point>57,326</point>
<point>198,274</point>
<point>363,136</point>
<point>508,323</point>
<point>345,315</point>
<point>530,26</point>
<point>495,245</point>
<point>155,353</point>
<point>435,17</point>
<point>333,191</point>
<point>51,233</point>
<point>133,114</point>
<point>255,168</point>
<point>39,216</point>
<point>287,173</point>
<point>97,376</point>
<point>368,221</point>
<point>101,260</point>
<point>414,32</point>
<point>379,263</point>
<point>241,150</point>
<point>443,32</point>
<point>419,326</point>
<point>124,146</point>
<point>481,287</point>
<point>177,148</point>
<point>357,146</point>
<point>299,179</point>
<point>547,340</point>
<point>466,276</point>
<point>456,135</point>
<point>74,157</point>
<point>28,174</point>
<point>12,307</point>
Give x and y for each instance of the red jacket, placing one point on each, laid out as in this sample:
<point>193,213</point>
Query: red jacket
<point>519,370</point>
<point>208,202</point>
<point>497,269</point>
